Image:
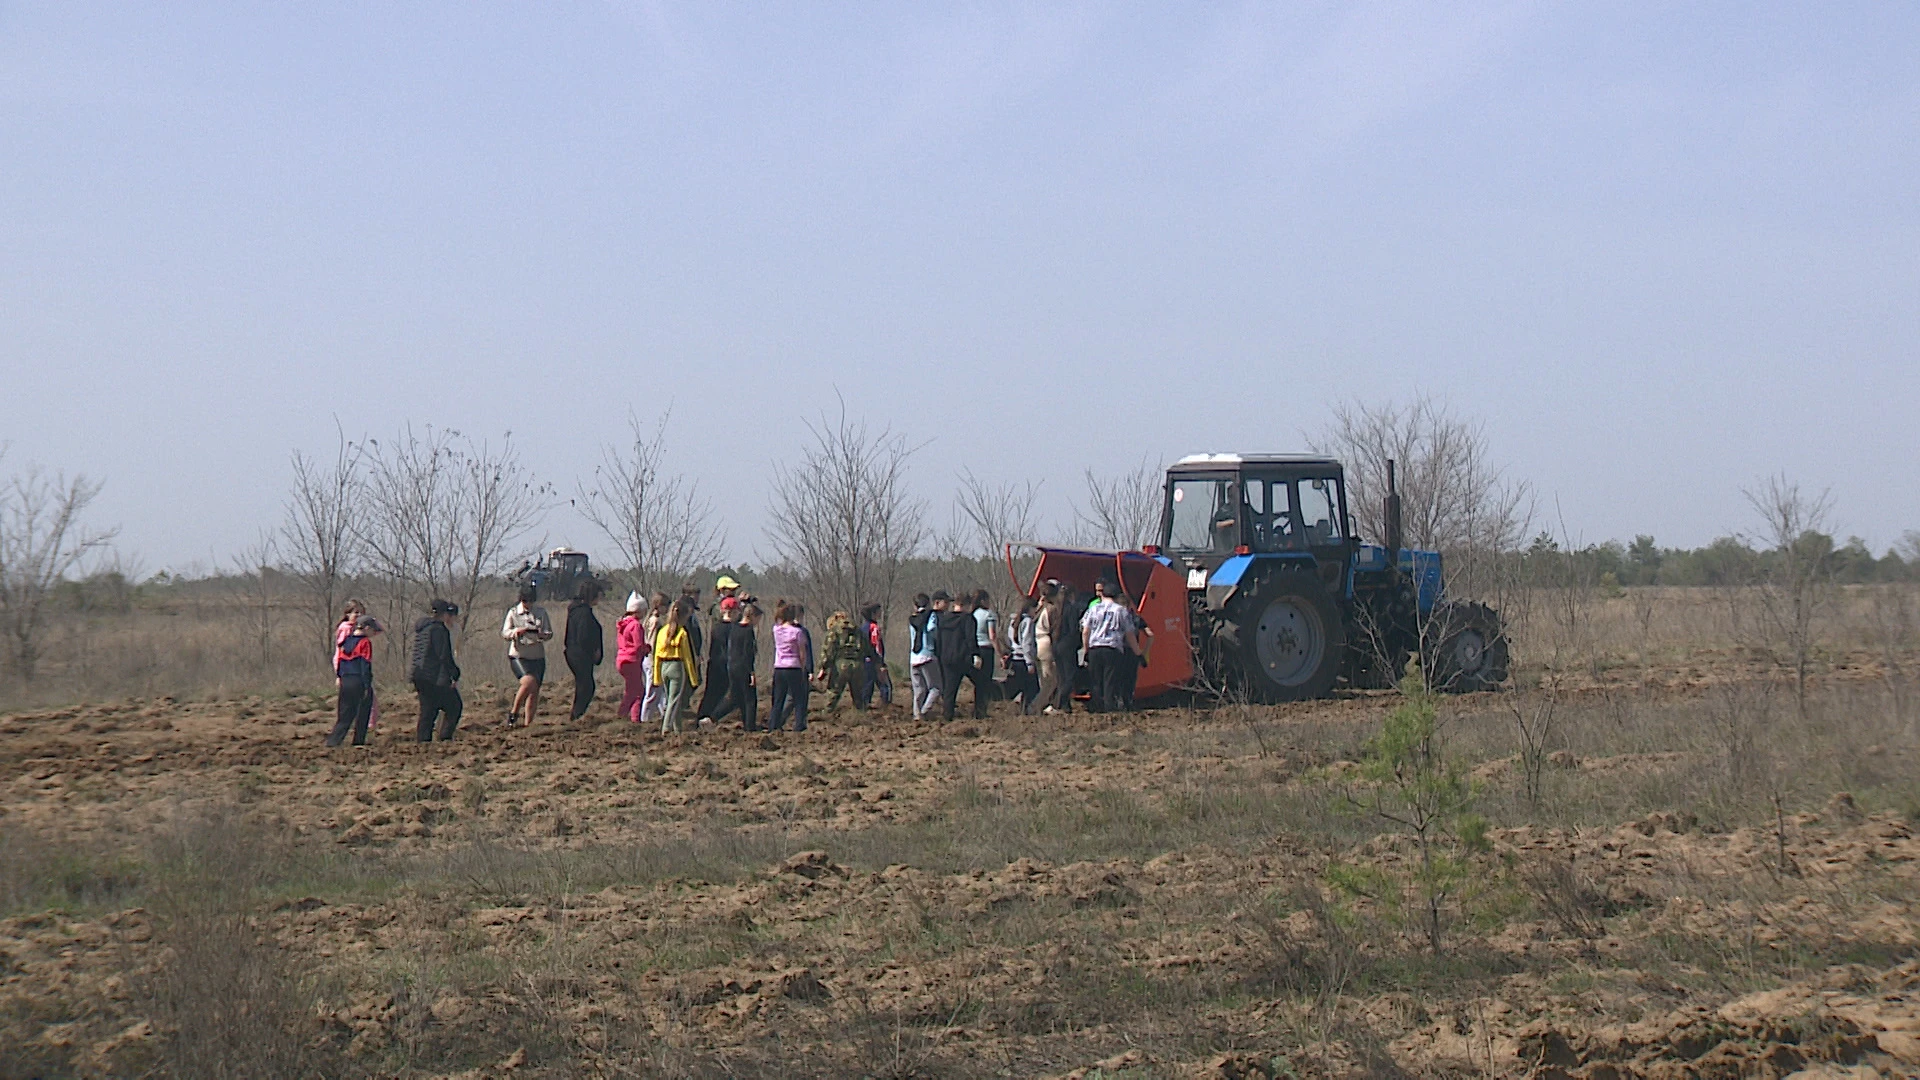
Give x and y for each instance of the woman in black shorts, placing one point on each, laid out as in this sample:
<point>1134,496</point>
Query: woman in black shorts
<point>527,631</point>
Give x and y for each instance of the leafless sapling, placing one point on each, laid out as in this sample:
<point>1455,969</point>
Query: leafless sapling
<point>657,520</point>
<point>1794,584</point>
<point>42,540</point>
<point>317,537</point>
<point>1122,510</point>
<point>842,517</point>
<point>253,569</point>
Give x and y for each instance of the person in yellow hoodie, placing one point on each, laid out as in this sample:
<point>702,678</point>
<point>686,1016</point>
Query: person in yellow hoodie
<point>674,670</point>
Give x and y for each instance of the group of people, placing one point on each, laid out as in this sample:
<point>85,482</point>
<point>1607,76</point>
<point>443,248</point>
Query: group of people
<point>1052,646</point>
<point>435,675</point>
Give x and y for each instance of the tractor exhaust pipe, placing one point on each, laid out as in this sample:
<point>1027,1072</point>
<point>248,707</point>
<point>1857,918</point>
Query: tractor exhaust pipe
<point>1390,507</point>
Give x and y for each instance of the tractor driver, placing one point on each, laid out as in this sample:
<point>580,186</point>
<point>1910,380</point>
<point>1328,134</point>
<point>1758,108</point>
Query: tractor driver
<point>1226,515</point>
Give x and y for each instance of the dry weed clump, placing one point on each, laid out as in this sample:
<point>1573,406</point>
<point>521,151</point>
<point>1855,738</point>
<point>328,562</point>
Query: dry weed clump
<point>225,997</point>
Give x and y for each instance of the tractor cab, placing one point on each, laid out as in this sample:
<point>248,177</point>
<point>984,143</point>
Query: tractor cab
<point>1223,510</point>
<point>557,575</point>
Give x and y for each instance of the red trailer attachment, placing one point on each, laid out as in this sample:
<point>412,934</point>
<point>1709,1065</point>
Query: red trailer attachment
<point>1160,592</point>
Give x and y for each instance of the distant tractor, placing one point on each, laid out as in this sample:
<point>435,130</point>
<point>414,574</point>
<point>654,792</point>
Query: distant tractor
<point>557,575</point>
<point>1259,586</point>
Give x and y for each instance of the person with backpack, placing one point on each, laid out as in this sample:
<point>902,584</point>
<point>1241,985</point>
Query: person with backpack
<point>956,641</point>
<point>435,677</point>
<point>584,645</point>
<point>877,675</point>
<point>845,665</point>
<point>630,652</point>
<point>923,666</point>
<point>353,674</point>
<point>792,659</point>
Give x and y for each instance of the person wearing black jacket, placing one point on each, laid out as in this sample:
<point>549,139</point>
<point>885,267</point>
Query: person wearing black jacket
<point>743,652</point>
<point>584,645</point>
<point>718,677</point>
<point>436,678</point>
<point>1066,645</point>
<point>956,638</point>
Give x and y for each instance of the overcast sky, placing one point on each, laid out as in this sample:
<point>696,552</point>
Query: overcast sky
<point>1660,250</point>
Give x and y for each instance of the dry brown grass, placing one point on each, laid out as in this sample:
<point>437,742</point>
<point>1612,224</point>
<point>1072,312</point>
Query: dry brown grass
<point>1027,896</point>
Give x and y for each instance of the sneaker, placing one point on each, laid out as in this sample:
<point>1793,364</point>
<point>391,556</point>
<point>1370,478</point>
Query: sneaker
<point>1049,710</point>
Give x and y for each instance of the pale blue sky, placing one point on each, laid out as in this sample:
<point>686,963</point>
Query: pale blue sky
<point>1660,249</point>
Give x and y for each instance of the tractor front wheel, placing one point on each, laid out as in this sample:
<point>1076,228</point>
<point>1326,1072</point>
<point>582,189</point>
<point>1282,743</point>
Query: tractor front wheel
<point>1471,653</point>
<point>1286,638</point>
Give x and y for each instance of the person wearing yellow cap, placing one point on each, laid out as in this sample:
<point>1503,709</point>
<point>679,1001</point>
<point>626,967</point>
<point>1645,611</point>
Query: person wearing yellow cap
<point>726,592</point>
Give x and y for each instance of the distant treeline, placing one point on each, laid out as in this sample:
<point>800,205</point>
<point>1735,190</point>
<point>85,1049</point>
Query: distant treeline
<point>1729,560</point>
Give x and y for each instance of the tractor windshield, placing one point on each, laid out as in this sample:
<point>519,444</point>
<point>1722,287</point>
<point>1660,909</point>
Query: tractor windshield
<point>1204,515</point>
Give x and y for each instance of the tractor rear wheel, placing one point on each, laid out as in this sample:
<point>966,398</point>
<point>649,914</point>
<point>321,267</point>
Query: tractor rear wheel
<point>1472,651</point>
<point>1285,637</point>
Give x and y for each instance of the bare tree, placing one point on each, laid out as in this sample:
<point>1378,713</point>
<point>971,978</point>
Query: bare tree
<point>987,517</point>
<point>658,521</point>
<point>443,512</point>
<point>317,535</point>
<point>1795,585</point>
<point>412,510</point>
<point>42,540</point>
<point>1554,600</point>
<point>842,518</point>
<point>253,568</point>
<point>1454,499</point>
<point>1122,511</point>
<point>499,502</point>
<point>1909,546</point>
<point>1893,630</point>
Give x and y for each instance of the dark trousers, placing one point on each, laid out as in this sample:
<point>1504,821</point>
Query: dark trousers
<point>983,676</point>
<point>714,689</point>
<point>790,691</point>
<point>1022,683</point>
<point>437,701</point>
<point>1067,668</point>
<point>950,679</point>
<point>741,695</point>
<point>356,710</point>
<point>1130,665</point>
<point>582,686</point>
<point>877,678</point>
<point>1104,662</point>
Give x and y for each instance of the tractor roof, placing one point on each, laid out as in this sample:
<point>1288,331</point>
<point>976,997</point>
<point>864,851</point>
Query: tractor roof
<point>1203,461</point>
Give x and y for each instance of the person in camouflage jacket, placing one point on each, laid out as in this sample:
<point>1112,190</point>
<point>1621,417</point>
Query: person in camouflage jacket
<point>844,662</point>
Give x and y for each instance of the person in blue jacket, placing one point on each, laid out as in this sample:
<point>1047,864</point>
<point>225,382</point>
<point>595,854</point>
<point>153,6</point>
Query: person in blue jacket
<point>353,674</point>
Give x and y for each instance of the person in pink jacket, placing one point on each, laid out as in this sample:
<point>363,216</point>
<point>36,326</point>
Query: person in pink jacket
<point>630,651</point>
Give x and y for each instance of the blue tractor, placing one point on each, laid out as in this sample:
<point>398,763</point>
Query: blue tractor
<point>1284,602</point>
